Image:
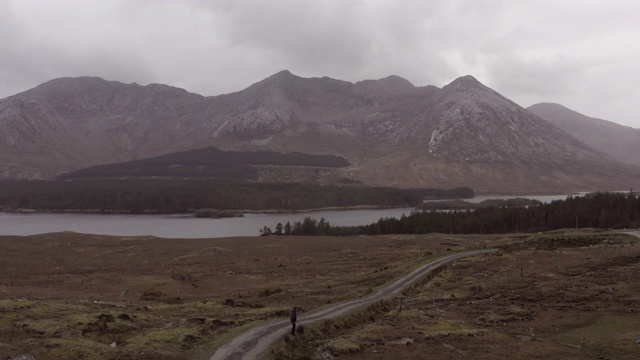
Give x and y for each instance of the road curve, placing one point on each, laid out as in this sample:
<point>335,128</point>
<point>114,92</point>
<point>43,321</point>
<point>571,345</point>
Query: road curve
<point>251,344</point>
<point>634,233</point>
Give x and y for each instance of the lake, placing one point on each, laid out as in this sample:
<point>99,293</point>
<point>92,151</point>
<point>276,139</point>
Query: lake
<point>177,226</point>
<point>185,226</point>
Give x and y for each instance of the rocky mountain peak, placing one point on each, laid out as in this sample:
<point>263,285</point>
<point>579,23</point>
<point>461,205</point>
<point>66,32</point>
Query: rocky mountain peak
<point>395,81</point>
<point>283,74</point>
<point>280,78</point>
<point>284,97</point>
<point>389,86</point>
<point>69,86</point>
<point>275,85</point>
<point>465,83</point>
<point>166,91</point>
<point>553,110</point>
<point>475,123</point>
<point>471,96</point>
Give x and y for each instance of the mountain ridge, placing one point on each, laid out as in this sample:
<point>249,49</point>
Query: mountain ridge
<point>392,132</point>
<point>620,142</point>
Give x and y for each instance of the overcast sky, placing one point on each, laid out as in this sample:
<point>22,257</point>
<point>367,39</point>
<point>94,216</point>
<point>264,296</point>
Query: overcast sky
<point>584,54</point>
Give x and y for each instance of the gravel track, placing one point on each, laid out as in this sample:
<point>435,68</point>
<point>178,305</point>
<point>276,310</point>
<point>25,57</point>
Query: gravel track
<point>253,343</point>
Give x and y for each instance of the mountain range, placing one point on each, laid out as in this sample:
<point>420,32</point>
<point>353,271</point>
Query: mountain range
<point>391,132</point>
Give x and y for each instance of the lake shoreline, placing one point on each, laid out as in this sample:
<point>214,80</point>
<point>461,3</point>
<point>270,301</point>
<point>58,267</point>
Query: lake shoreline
<point>23,222</point>
<point>179,226</point>
<point>193,211</point>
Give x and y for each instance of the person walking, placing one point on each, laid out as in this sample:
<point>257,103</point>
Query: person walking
<point>294,318</point>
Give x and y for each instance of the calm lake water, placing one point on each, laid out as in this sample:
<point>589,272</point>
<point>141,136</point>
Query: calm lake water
<point>184,226</point>
<point>177,226</point>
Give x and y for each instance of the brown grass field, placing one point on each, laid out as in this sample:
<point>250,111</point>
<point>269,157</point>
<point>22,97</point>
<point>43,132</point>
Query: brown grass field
<point>560,295</point>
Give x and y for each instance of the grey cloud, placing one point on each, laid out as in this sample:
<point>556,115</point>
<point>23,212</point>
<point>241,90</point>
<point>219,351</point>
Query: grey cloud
<point>579,53</point>
<point>354,41</point>
<point>39,51</point>
<point>538,77</point>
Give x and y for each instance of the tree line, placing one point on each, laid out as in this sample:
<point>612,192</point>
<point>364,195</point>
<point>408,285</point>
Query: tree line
<point>187,195</point>
<point>308,226</point>
<point>597,210</point>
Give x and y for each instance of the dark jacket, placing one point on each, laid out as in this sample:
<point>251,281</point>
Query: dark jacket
<point>294,316</point>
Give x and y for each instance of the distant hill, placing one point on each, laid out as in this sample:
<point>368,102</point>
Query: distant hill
<point>208,163</point>
<point>620,142</point>
<point>391,132</point>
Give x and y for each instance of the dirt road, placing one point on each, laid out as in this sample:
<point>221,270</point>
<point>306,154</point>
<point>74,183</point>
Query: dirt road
<point>253,343</point>
<point>634,233</point>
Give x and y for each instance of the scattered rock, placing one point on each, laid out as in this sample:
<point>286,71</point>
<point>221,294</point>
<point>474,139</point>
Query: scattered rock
<point>197,320</point>
<point>402,341</point>
<point>106,318</point>
<point>525,337</point>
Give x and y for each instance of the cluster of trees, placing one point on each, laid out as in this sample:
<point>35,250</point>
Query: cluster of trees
<point>308,226</point>
<point>465,205</point>
<point>187,195</point>
<point>598,210</point>
<point>207,163</point>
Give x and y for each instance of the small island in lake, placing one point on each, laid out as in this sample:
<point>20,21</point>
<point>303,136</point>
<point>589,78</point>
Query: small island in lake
<point>216,214</point>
